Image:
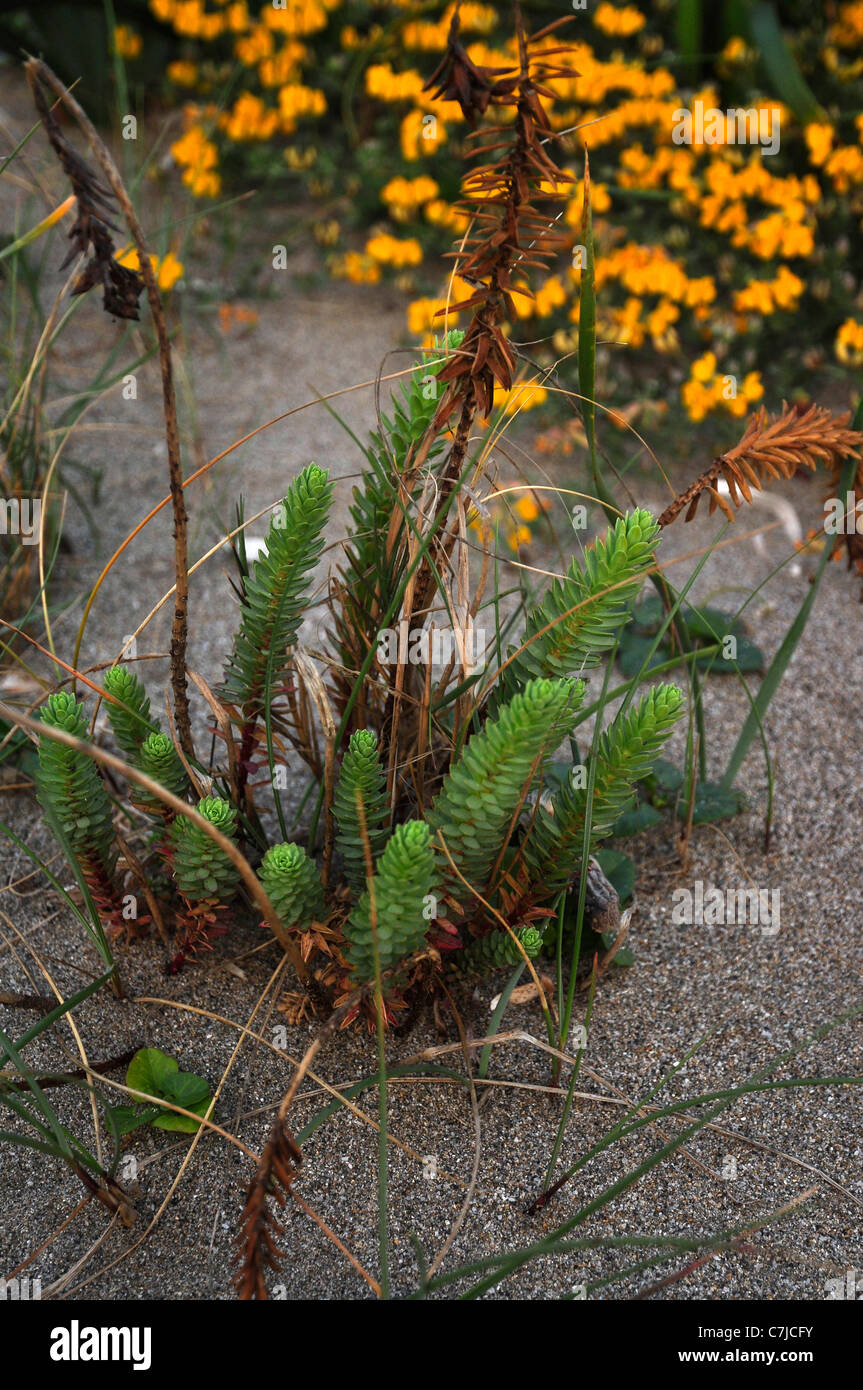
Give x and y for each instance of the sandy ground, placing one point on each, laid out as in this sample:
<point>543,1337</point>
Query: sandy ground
<point>761,994</point>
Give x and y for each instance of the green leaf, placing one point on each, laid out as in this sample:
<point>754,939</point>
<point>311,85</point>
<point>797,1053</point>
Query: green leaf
<point>182,1124</point>
<point>648,615</point>
<point>708,624</point>
<point>624,956</point>
<point>665,777</point>
<point>153,1073</point>
<point>688,36</point>
<point>186,1089</point>
<point>641,817</point>
<point>788,81</point>
<point>633,652</point>
<point>149,1070</point>
<point>712,802</point>
<point>749,659</point>
<point>125,1119</point>
<point>619,869</point>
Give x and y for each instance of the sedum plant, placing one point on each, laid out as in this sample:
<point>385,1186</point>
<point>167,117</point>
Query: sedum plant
<point>360,806</point>
<point>476,810</point>
<point>274,600</point>
<point>293,885</point>
<point>625,755</point>
<point>581,615</point>
<point>128,710</point>
<point>76,805</point>
<point>498,950</point>
<point>394,909</point>
<point>433,845</point>
<point>159,759</point>
<point>202,871</point>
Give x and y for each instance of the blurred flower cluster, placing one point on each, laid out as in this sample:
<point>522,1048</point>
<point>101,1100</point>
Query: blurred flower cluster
<point>707,252</point>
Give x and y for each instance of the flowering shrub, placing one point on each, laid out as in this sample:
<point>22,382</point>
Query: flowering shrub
<point>707,252</point>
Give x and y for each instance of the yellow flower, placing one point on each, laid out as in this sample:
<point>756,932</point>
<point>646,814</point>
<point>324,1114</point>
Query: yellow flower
<point>756,298</point>
<point>551,295</point>
<point>254,46</point>
<point>283,67</point>
<point>422,317</point>
<point>522,396</point>
<point>298,159</point>
<point>520,535</point>
<point>237,16</point>
<point>441,214</point>
<point>249,119</point>
<point>849,343</point>
<point>326,233</point>
<point>168,270</point>
<point>819,141</point>
<point>388,250</point>
<point>845,168</point>
<point>126,42</point>
<point>296,101</point>
<point>296,17</point>
<point>404,197</point>
<point>203,185</point>
<point>847,32</point>
<point>661,319</point>
<point>387,85</point>
<point>421,133</point>
<point>194,150</point>
<point>527,508</point>
<point>620,23</point>
<point>704,369</point>
<point>182,74</point>
<point>787,288</point>
<point>356,267</point>
<point>696,400</point>
<point>752,387</point>
<point>198,157</point>
<point>735,51</point>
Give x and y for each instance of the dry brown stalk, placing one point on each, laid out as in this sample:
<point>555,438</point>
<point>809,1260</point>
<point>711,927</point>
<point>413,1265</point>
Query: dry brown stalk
<point>799,437</point>
<point>121,289</point>
<point>259,1231</point>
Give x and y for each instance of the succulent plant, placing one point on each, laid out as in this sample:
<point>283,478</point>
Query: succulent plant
<point>403,907</point>
<point>496,950</point>
<point>130,720</point>
<point>202,871</point>
<point>158,757</point>
<point>292,884</point>
<point>70,788</point>
<point>361,775</point>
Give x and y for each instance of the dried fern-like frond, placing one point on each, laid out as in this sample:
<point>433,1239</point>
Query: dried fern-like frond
<point>121,287</point>
<point>500,200</point>
<point>259,1231</point>
<point>800,437</point>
